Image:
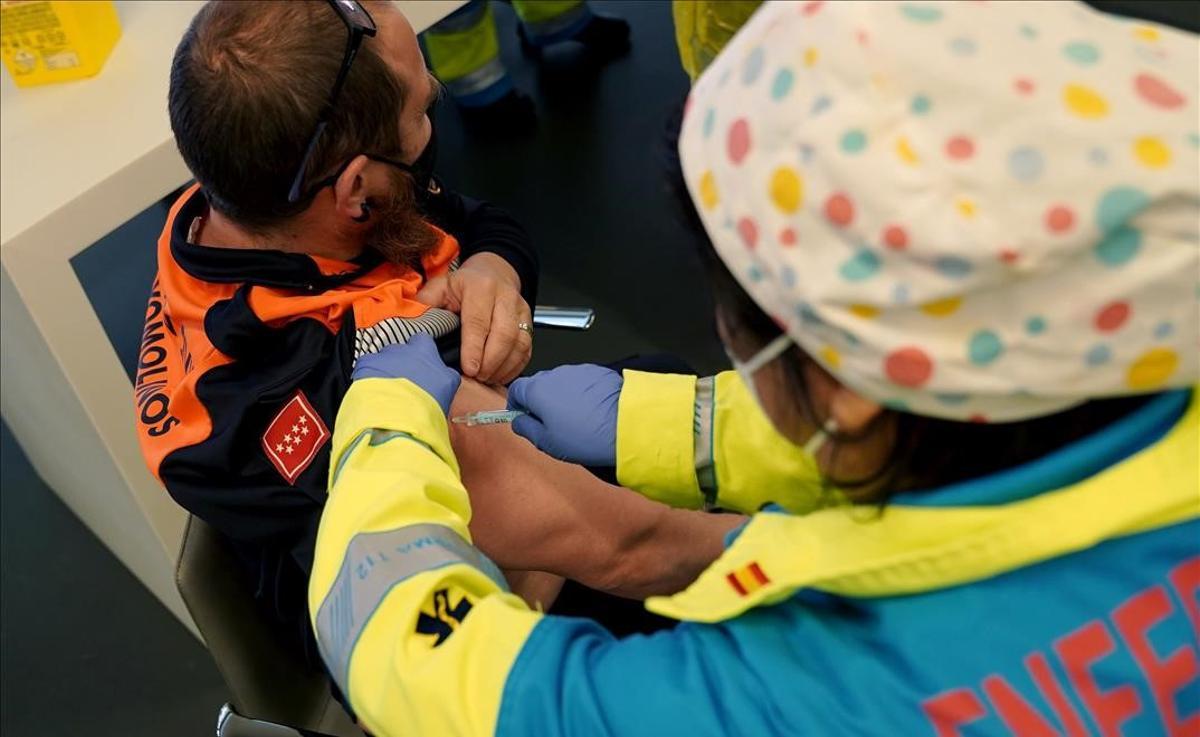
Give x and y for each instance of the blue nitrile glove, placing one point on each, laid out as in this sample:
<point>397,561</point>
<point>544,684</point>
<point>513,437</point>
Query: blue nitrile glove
<point>572,412</point>
<point>418,361</point>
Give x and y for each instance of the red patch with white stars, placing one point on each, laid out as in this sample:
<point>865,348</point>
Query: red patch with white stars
<point>294,437</point>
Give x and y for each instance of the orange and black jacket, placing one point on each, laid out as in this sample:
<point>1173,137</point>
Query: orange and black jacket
<point>245,358</point>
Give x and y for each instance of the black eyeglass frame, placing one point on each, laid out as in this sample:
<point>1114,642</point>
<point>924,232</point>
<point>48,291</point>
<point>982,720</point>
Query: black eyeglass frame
<point>359,24</point>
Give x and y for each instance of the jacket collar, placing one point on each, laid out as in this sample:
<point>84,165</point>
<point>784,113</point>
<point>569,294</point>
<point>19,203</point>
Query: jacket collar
<point>257,267</point>
<point>852,552</point>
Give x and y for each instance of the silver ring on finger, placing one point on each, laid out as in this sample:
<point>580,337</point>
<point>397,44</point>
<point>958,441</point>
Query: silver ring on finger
<point>526,328</point>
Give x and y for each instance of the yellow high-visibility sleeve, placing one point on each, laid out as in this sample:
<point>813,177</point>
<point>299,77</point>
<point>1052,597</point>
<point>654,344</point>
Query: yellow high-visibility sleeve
<point>655,454</point>
<point>691,442</point>
<point>415,624</point>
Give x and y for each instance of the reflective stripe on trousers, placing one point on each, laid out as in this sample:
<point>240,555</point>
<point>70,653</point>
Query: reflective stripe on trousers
<point>478,81</point>
<point>551,21</point>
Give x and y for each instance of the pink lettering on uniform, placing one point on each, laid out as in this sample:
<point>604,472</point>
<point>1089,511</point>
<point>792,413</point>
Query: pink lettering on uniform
<point>1078,650</point>
<point>1167,676</point>
<point>1185,578</point>
<point>1052,691</point>
<point>952,709</point>
<point>1016,713</point>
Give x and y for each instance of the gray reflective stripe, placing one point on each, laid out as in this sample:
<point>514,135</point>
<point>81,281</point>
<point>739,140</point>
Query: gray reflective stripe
<point>702,426</point>
<point>557,24</point>
<point>378,437</point>
<point>480,79</point>
<point>374,564</point>
<point>470,16</point>
<point>341,460</point>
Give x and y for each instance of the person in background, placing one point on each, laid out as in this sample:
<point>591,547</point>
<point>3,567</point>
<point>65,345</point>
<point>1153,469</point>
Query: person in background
<point>316,235</point>
<point>703,27</point>
<point>464,53</point>
<point>955,250</point>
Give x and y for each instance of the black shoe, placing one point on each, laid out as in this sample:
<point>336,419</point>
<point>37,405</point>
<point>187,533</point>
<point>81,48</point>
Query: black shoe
<point>605,37</point>
<point>528,48</point>
<point>513,113</point>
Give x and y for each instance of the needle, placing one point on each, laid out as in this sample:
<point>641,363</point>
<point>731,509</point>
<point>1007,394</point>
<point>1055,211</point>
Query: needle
<point>488,417</point>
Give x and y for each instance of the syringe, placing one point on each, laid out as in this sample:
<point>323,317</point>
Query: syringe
<point>488,417</point>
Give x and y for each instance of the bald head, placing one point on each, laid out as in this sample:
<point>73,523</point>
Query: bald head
<point>249,81</point>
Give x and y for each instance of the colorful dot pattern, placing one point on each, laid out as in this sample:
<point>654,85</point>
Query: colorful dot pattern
<point>977,211</point>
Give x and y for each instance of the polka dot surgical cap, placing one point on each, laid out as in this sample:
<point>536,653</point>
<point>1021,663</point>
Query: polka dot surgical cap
<point>982,211</point>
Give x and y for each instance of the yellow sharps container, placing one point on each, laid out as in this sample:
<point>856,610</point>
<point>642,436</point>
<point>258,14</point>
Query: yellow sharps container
<point>46,41</point>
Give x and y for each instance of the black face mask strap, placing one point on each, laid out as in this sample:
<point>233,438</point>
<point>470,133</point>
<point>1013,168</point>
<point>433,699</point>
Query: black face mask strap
<point>331,180</point>
<point>421,170</point>
<point>359,25</point>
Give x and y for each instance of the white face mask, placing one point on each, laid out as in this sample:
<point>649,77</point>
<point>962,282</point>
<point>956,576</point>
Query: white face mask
<point>770,352</point>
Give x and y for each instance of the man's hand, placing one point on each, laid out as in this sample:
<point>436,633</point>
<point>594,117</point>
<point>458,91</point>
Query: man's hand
<point>486,292</point>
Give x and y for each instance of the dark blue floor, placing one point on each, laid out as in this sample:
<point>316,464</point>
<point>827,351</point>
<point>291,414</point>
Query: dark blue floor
<point>86,649</point>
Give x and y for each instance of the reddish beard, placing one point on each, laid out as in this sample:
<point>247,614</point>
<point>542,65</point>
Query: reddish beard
<point>400,233</point>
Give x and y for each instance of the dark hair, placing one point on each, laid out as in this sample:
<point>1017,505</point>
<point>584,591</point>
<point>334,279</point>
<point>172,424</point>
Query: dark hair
<point>249,81</point>
<point>928,452</point>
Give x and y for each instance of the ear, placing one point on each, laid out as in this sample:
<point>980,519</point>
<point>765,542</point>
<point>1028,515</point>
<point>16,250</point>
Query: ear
<point>350,190</point>
<point>852,411</point>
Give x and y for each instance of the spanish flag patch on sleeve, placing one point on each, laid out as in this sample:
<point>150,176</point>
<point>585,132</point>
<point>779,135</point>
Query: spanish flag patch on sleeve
<point>747,579</point>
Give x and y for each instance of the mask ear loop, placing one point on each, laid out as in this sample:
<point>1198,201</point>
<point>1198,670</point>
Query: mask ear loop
<point>821,437</point>
<point>769,353</point>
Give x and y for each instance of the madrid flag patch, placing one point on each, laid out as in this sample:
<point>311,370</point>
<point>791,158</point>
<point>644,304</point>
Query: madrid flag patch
<point>294,437</point>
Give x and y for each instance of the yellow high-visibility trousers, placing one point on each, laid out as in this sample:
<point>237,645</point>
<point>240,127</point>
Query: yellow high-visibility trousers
<point>464,51</point>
